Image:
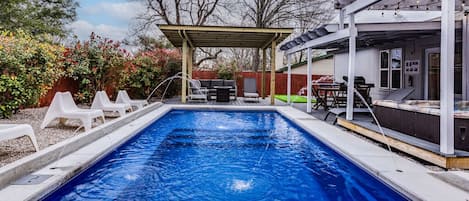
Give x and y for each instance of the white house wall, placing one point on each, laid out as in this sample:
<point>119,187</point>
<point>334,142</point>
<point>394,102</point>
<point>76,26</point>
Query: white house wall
<point>321,67</point>
<point>368,62</point>
<point>367,66</point>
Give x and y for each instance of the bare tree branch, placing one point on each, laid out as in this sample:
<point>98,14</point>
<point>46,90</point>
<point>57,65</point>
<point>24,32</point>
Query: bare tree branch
<point>210,57</point>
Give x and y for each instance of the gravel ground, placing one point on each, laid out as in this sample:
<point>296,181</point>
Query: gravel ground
<point>12,150</point>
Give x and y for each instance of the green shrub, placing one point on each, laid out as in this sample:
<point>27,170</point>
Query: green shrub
<point>226,72</point>
<point>11,95</point>
<point>34,62</point>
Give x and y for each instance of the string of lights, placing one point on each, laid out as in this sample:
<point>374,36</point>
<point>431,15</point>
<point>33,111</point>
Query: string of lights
<point>424,5</point>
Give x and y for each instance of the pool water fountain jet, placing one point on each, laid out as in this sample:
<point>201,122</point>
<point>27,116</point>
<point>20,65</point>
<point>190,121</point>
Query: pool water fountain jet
<point>170,80</point>
<point>379,127</point>
<point>241,185</point>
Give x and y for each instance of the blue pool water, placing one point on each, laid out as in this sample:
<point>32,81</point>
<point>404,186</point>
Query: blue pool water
<point>203,155</point>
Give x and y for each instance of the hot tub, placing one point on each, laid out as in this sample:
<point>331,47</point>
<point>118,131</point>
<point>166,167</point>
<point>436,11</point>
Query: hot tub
<point>421,119</point>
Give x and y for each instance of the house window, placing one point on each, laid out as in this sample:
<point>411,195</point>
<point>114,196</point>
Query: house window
<point>390,69</point>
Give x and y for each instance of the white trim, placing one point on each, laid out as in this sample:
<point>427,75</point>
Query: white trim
<point>401,77</point>
<point>289,79</point>
<point>447,77</point>
<point>465,58</point>
<point>351,67</point>
<point>309,70</point>
<point>427,52</point>
<point>341,34</point>
<point>384,69</point>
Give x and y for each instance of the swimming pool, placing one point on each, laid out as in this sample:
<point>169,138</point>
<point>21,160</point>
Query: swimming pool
<point>204,155</point>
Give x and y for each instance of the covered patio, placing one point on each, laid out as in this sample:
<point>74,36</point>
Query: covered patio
<point>351,37</point>
<point>191,37</point>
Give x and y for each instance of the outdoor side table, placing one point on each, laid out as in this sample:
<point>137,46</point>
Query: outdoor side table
<point>223,93</point>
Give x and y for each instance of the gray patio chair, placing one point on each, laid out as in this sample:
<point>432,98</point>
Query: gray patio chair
<point>197,92</point>
<point>250,89</point>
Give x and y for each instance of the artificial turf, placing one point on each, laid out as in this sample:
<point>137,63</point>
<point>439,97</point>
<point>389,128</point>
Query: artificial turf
<point>293,98</point>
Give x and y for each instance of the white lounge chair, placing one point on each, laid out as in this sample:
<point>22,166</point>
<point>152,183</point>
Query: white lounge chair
<point>64,107</point>
<point>123,97</point>
<point>12,131</point>
<point>250,89</point>
<point>101,101</point>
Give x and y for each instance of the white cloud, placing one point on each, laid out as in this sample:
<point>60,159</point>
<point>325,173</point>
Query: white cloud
<point>121,11</point>
<point>84,28</point>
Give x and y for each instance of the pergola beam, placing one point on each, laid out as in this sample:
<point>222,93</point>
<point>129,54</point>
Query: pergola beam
<point>264,65</point>
<point>320,41</point>
<point>272,71</point>
<point>184,70</point>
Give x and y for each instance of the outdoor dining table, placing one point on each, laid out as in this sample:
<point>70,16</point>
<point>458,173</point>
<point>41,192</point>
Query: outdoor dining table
<point>326,90</point>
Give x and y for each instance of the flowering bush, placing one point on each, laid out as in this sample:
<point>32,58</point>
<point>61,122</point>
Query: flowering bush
<point>30,64</point>
<point>150,68</point>
<point>98,64</point>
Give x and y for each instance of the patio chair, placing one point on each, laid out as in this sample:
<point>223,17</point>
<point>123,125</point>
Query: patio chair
<point>13,131</point>
<point>197,92</point>
<point>320,99</point>
<point>123,97</point>
<point>64,107</point>
<point>340,97</point>
<point>101,101</point>
<point>250,89</point>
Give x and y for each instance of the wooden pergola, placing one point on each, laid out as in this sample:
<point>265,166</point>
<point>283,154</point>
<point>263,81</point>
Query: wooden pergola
<point>190,37</point>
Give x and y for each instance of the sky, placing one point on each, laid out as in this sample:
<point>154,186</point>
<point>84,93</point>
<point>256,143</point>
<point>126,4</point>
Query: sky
<point>108,18</point>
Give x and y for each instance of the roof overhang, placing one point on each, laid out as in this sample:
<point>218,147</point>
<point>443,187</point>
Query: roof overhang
<point>221,36</point>
<point>422,5</point>
<point>375,34</point>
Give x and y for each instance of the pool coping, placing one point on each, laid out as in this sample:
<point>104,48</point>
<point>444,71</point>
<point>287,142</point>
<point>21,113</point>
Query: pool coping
<point>415,181</point>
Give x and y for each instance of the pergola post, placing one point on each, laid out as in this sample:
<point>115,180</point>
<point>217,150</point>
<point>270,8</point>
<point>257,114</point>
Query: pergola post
<point>189,62</point>
<point>264,64</point>
<point>309,81</point>
<point>289,79</point>
<point>272,72</point>
<point>351,67</point>
<point>184,70</point>
<point>447,77</point>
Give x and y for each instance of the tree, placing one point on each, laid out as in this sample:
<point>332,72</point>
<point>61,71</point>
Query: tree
<point>38,16</point>
<point>303,14</point>
<point>180,12</point>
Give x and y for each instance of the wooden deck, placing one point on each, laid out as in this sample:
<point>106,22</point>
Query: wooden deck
<point>416,147</point>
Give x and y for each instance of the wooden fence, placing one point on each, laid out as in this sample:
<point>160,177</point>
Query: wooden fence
<point>298,81</point>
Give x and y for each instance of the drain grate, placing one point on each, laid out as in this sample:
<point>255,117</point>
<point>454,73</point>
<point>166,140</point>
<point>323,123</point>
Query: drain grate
<point>32,179</point>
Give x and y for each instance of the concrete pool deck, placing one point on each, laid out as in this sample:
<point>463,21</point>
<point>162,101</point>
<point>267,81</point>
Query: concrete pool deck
<point>413,179</point>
